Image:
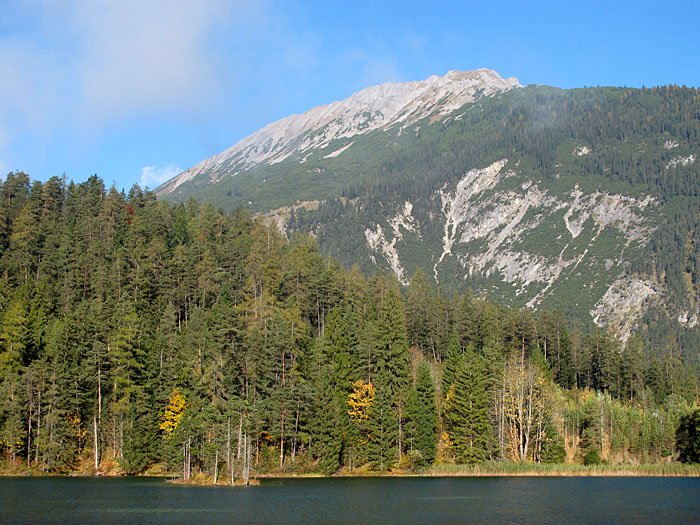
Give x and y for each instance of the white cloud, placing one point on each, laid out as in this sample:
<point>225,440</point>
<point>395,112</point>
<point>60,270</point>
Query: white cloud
<point>151,56</point>
<point>100,60</point>
<point>153,177</point>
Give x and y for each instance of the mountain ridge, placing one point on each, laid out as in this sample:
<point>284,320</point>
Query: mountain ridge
<point>583,200</point>
<point>374,107</point>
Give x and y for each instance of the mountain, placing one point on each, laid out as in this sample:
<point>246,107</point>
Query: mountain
<point>377,107</point>
<point>585,200</point>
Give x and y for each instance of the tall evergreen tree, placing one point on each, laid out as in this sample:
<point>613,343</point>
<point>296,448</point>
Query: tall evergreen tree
<point>425,415</point>
<point>327,424</point>
<point>467,410</point>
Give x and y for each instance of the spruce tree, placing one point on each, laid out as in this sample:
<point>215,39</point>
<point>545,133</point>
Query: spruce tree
<point>392,380</point>
<point>384,426</point>
<point>467,410</point>
<point>391,345</point>
<point>426,415</point>
<point>328,438</point>
<point>454,354</point>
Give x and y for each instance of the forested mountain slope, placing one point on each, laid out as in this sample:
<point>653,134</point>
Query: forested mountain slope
<point>584,200</point>
<point>134,332</point>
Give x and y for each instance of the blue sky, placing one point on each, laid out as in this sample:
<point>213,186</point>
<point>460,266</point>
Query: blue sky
<point>137,91</point>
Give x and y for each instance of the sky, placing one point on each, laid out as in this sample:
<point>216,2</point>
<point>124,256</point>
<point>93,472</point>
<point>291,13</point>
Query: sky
<point>137,91</point>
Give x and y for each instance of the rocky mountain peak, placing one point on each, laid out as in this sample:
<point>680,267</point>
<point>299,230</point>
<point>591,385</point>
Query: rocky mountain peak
<point>375,107</point>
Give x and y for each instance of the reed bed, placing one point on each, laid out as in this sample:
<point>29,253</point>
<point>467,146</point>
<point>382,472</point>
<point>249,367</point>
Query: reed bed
<point>559,469</point>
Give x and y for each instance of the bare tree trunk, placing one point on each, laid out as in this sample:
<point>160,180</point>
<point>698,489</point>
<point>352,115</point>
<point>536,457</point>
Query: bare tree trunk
<point>99,390</point>
<point>232,478</point>
<point>545,349</point>
<point>400,431</point>
<point>282,437</point>
<point>38,430</point>
<point>94,423</point>
<point>246,460</point>
<point>228,445</point>
<point>283,414</point>
<point>114,435</point>
<point>121,435</point>
<point>296,432</point>
<point>216,466</point>
<point>189,457</point>
<point>29,434</point>
<point>240,437</point>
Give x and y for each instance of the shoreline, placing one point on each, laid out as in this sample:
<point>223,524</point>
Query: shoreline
<point>438,471</point>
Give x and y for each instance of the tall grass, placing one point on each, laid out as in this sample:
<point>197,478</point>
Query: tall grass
<point>559,469</point>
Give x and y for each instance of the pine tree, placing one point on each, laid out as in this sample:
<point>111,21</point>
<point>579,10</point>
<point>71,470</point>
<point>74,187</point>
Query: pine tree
<point>391,345</point>
<point>391,379</point>
<point>338,347</point>
<point>14,337</point>
<point>633,368</point>
<point>467,410</point>
<point>591,435</point>
<point>138,432</point>
<point>454,354</point>
<point>426,415</point>
<point>420,316</point>
<point>327,426</point>
<point>382,448</point>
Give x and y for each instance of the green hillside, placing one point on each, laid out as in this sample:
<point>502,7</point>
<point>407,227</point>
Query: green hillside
<point>142,336</point>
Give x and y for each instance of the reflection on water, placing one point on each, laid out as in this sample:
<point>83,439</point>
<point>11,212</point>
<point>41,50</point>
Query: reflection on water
<point>352,500</point>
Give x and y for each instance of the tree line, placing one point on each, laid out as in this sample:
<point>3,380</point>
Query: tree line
<point>134,333</point>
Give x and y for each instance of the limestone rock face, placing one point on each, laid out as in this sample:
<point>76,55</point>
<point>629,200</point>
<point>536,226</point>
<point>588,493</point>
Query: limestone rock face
<point>373,108</point>
<point>539,197</point>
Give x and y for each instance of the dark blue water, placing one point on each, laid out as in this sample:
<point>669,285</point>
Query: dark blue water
<point>353,500</point>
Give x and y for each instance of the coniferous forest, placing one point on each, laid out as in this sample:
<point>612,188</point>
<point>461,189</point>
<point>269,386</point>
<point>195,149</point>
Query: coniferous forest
<point>136,334</point>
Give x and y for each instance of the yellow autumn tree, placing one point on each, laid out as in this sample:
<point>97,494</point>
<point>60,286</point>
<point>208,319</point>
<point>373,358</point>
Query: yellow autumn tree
<point>173,413</point>
<point>360,400</point>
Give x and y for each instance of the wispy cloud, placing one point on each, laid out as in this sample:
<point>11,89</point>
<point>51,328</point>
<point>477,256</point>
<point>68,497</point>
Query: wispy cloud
<point>149,56</point>
<point>152,177</point>
<point>100,60</point>
<point>373,67</point>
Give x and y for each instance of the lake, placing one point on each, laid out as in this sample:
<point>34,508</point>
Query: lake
<point>353,500</point>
